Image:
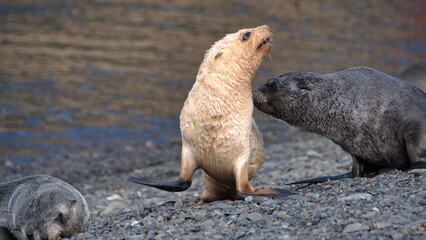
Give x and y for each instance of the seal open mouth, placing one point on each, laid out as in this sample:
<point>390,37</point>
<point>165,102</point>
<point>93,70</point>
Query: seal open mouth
<point>267,40</point>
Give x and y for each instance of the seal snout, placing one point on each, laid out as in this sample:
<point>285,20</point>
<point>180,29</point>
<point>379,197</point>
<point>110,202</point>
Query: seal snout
<point>260,100</point>
<point>259,96</point>
<point>266,41</point>
<point>265,34</point>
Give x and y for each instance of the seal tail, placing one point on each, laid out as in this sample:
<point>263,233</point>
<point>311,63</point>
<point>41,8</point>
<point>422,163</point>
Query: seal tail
<point>323,179</point>
<point>176,186</point>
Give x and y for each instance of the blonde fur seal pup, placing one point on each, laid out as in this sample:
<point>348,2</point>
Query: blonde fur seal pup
<point>41,207</point>
<point>219,134</point>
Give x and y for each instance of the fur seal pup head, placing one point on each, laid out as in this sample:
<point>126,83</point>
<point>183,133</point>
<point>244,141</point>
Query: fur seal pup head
<point>42,207</point>
<point>379,119</point>
<point>237,53</point>
<point>219,134</point>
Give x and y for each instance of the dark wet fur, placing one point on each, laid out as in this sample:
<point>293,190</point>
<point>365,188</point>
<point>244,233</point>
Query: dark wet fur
<point>379,119</point>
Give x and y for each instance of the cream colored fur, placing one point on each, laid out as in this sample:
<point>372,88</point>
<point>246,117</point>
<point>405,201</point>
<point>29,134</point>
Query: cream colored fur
<point>218,131</point>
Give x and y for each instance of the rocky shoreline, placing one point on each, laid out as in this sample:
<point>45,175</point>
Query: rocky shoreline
<point>388,206</point>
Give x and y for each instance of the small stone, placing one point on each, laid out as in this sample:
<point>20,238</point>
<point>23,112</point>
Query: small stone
<point>199,215</point>
<point>239,235</point>
<point>313,153</point>
<point>416,226</point>
<point>422,194</point>
<point>179,203</point>
<point>269,202</point>
<point>224,206</point>
<point>355,227</point>
<point>113,207</point>
<point>370,214</point>
<point>151,201</point>
<point>281,214</point>
<point>285,226</point>
<point>381,225</point>
<point>397,236</point>
<point>417,172</point>
<point>355,197</point>
<point>195,229</point>
<point>248,199</point>
<point>208,224</point>
<point>135,237</point>
<point>375,209</point>
<point>242,217</point>
<point>255,216</point>
<point>114,197</point>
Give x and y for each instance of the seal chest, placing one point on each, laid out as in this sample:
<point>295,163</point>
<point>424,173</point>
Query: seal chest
<point>379,119</point>
<point>219,134</point>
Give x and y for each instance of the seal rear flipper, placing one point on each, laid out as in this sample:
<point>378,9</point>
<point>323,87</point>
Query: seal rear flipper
<point>323,179</point>
<point>176,186</point>
<point>270,193</point>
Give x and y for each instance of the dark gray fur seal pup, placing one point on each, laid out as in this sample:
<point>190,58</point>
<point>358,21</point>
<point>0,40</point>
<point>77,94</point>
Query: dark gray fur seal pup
<point>41,207</point>
<point>379,119</point>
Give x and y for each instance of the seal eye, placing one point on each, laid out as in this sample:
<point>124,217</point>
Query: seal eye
<point>246,36</point>
<point>60,219</point>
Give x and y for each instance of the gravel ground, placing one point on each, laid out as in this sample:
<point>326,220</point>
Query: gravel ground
<point>388,206</point>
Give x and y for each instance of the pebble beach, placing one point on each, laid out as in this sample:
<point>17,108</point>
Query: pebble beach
<point>388,206</point>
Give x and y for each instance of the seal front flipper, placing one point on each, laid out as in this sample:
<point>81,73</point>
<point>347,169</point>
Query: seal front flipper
<point>270,193</point>
<point>176,186</point>
<point>323,179</point>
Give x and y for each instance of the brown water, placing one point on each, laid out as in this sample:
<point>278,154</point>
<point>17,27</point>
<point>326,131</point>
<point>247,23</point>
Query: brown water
<point>78,75</point>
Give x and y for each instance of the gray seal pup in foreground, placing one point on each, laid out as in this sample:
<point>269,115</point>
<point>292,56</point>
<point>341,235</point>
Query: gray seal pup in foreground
<point>41,207</point>
<point>219,134</point>
<point>379,119</point>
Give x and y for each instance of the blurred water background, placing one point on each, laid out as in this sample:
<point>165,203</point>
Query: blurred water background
<point>84,75</point>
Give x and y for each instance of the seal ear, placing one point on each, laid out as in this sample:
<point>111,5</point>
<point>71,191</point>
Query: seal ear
<point>303,84</point>
<point>218,55</point>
